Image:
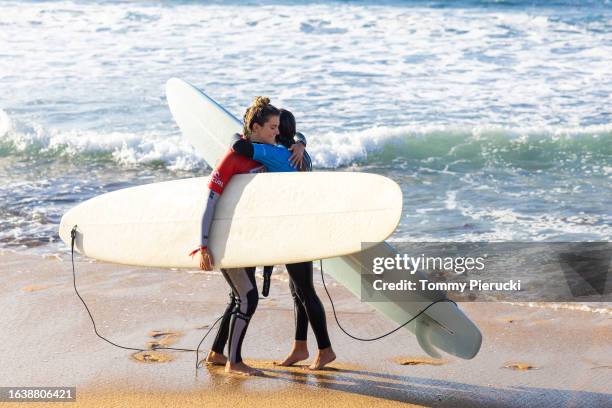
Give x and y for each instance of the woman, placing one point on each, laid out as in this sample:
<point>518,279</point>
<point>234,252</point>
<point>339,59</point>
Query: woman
<point>261,122</point>
<point>308,306</point>
<point>215,355</point>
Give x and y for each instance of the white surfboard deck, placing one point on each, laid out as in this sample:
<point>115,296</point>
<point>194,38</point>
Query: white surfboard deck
<point>204,123</point>
<point>261,219</point>
<point>209,127</point>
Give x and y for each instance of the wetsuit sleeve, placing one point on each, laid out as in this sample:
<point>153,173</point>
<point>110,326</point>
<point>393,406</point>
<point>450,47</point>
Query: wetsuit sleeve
<point>307,162</point>
<point>243,147</point>
<point>274,157</point>
<point>300,138</point>
<point>222,174</point>
<point>207,216</point>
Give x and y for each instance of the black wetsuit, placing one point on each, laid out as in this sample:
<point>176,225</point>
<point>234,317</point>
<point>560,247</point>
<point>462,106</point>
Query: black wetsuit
<point>308,306</point>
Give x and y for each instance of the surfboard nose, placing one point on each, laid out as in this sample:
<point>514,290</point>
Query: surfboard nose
<point>67,222</point>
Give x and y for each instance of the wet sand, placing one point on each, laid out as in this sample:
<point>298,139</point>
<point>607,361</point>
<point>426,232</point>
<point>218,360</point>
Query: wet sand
<point>529,356</point>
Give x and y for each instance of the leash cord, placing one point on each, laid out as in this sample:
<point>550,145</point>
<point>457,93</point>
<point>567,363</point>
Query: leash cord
<point>73,233</point>
<point>383,335</point>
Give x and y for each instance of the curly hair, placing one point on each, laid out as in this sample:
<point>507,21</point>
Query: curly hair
<point>259,112</point>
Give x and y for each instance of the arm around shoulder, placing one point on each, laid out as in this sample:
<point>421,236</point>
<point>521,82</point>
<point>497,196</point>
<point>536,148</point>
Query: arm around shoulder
<point>243,147</point>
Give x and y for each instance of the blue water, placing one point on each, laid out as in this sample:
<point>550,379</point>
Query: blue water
<point>493,117</point>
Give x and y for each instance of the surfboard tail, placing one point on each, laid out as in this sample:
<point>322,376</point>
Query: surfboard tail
<point>423,335</point>
<point>443,326</point>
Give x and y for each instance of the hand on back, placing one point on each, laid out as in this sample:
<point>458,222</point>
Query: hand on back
<point>297,157</point>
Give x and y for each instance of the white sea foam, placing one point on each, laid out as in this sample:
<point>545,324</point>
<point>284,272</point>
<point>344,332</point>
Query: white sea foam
<point>467,102</point>
<point>125,148</point>
<point>5,124</point>
<point>329,150</point>
<point>353,66</point>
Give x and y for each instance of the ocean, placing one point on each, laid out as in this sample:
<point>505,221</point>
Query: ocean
<point>493,117</point>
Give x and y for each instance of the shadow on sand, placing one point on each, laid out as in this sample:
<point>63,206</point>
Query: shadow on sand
<point>432,392</point>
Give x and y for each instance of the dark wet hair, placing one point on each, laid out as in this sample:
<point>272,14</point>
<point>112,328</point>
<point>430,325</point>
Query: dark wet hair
<point>286,128</point>
<point>259,112</point>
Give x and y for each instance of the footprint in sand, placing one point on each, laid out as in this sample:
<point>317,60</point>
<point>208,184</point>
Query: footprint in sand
<point>420,361</point>
<point>34,288</point>
<point>152,357</point>
<point>520,366</point>
<point>53,257</point>
<point>162,338</point>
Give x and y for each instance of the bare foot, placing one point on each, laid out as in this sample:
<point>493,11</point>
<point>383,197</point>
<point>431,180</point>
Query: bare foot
<point>299,353</point>
<point>241,368</point>
<point>214,358</point>
<point>324,357</point>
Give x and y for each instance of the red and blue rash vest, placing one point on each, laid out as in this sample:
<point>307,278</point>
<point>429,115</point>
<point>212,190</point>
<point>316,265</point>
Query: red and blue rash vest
<point>232,163</point>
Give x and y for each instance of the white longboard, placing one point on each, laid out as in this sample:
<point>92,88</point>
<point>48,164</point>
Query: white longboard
<point>261,219</point>
<point>204,123</point>
<point>209,128</point>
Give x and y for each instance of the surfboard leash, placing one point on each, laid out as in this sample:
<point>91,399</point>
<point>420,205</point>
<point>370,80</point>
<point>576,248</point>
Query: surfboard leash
<point>73,233</point>
<point>383,335</point>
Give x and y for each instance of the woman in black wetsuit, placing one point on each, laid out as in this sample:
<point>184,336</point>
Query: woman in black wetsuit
<point>308,306</point>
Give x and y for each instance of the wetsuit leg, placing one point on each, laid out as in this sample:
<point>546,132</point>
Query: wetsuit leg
<point>301,318</point>
<point>301,275</point>
<point>242,281</point>
<point>223,332</point>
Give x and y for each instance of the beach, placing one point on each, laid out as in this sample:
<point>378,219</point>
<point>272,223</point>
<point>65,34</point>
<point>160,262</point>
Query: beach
<point>493,118</point>
<point>531,356</point>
